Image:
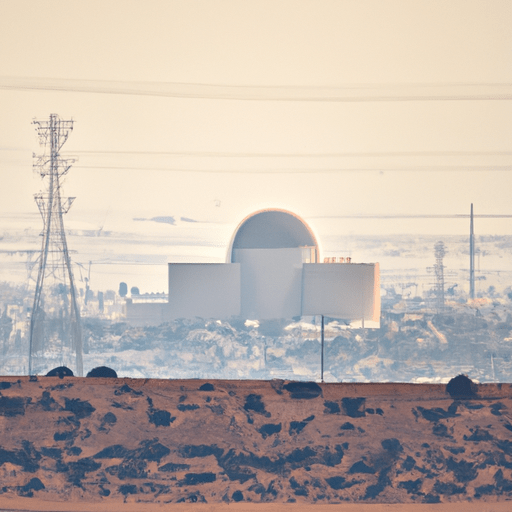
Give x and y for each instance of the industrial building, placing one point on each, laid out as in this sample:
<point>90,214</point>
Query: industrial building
<point>272,271</point>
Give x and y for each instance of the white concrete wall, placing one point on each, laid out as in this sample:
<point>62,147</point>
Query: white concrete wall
<point>146,313</point>
<point>271,281</point>
<point>205,290</point>
<point>342,290</point>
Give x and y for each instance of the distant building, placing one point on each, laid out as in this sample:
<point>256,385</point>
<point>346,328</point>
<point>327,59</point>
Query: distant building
<point>272,270</point>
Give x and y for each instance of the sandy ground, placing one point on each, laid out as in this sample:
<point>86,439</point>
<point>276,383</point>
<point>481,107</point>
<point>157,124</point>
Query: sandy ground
<point>26,504</point>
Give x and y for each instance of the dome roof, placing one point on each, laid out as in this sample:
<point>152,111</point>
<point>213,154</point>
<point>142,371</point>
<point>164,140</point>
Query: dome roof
<point>272,229</point>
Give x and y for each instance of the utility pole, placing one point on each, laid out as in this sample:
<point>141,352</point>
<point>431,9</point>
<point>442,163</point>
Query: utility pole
<point>322,349</point>
<point>471,257</point>
<point>55,320</point>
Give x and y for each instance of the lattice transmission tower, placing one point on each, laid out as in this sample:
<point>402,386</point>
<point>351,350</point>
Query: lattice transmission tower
<point>55,328</point>
<point>440,253</point>
<point>438,270</point>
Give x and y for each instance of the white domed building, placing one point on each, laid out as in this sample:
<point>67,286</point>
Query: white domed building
<point>272,271</point>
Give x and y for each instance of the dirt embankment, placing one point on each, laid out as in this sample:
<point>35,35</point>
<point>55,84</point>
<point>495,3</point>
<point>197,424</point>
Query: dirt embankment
<point>113,442</point>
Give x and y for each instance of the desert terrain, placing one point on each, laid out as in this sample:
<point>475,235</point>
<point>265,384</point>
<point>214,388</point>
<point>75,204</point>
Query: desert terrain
<point>141,444</point>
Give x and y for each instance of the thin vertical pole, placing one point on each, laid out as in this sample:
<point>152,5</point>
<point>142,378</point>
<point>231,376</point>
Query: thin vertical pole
<point>322,356</point>
<point>471,257</point>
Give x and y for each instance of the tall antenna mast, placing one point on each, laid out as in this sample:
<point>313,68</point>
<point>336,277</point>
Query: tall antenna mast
<point>471,257</point>
<point>55,330</point>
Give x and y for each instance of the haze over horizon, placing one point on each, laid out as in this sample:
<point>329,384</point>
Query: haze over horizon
<point>190,109</point>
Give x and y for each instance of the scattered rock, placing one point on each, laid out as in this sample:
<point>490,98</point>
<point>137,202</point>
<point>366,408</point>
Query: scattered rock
<point>171,467</point>
<point>128,489</point>
<point>298,489</point>
<point>303,390</point>
<point>441,430</point>
<point>478,434</point>
<point>150,450</point>
<point>392,445</point>
<point>437,413</point>
<point>80,408</point>
<point>47,403</point>
<point>187,407</point>
<point>338,483</point>
<point>109,418</point>
<point>473,407</point>
<point>360,467</point>
<point>408,463</point>
<point>463,471</point>
<point>253,403</point>
<point>115,451</point>
<point>331,407</point>
<point>77,470</point>
<point>237,496</point>
<point>449,489</point>
<point>129,469</point>
<point>13,406</point>
<point>27,458</point>
<point>198,478</point>
<point>496,408</point>
<point>352,407</point>
<point>455,449</point>
<point>372,491</point>
<point>202,450</point>
<point>160,418</point>
<point>431,498</point>
<point>269,429</point>
<point>52,453</point>
<point>63,436</point>
<point>74,451</point>
<point>126,389</point>
<point>411,486</point>
<point>33,485</point>
<point>298,426</point>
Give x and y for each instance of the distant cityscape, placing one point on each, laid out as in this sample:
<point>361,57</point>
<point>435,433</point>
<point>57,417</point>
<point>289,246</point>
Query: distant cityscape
<point>416,342</point>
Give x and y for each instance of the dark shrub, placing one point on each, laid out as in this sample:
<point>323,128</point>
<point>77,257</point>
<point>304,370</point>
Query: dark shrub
<point>461,387</point>
<point>61,372</point>
<point>102,371</point>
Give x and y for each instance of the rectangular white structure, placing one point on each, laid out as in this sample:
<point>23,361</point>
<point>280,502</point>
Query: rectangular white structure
<point>271,282</point>
<point>266,284</point>
<point>205,290</point>
<point>146,313</point>
<point>342,290</point>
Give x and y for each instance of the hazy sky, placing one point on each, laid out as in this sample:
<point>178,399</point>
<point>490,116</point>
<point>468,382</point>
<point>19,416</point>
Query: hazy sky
<point>382,126</point>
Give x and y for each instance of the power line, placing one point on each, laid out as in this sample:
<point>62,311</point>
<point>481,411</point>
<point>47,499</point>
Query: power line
<point>240,154</point>
<point>220,154</point>
<point>462,91</point>
<point>419,216</point>
<point>426,168</point>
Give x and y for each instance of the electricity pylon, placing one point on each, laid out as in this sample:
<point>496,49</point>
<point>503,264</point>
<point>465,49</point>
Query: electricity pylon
<point>440,253</point>
<point>55,330</point>
<point>438,269</point>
